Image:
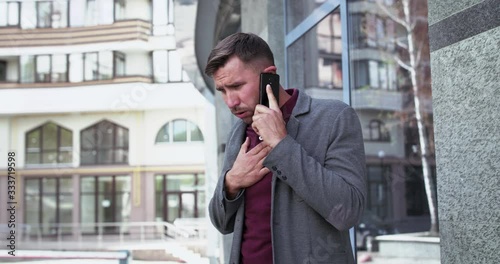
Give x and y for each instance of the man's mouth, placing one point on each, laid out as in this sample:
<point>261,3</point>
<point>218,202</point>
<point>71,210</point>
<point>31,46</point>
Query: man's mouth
<point>241,114</point>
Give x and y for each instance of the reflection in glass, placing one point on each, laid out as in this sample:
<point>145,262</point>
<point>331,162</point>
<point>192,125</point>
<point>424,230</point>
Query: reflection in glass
<point>179,195</point>
<point>196,134</point>
<point>105,65</point>
<point>9,14</point>
<point>49,143</point>
<point>44,14</point>
<point>180,131</point>
<point>48,203</point>
<point>105,199</point>
<point>119,64</point>
<point>389,100</point>
<point>27,68</point>
<point>59,68</point>
<point>104,143</point>
<point>43,68</point>
<point>90,66</point>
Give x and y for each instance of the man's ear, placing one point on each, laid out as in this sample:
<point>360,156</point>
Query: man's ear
<point>270,69</point>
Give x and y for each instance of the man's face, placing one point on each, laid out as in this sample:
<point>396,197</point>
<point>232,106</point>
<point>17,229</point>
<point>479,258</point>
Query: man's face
<point>238,84</point>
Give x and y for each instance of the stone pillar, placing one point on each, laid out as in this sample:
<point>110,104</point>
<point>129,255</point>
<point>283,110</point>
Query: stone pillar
<point>464,37</point>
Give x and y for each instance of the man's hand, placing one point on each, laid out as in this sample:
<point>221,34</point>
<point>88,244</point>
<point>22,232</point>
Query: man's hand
<point>268,123</point>
<point>247,168</point>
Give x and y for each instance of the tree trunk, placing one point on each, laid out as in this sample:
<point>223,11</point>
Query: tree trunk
<point>423,137</point>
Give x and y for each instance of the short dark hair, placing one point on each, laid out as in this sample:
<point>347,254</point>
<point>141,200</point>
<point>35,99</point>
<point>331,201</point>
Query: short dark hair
<point>247,47</point>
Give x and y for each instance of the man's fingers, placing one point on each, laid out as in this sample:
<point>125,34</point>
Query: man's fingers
<point>244,146</point>
<point>273,104</point>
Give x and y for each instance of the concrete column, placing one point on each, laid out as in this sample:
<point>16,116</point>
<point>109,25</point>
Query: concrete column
<point>464,37</point>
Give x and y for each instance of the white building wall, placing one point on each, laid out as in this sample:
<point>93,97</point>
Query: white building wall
<point>138,63</point>
<point>142,126</point>
<point>138,9</point>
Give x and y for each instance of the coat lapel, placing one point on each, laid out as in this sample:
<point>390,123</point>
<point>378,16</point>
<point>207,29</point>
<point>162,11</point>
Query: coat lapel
<point>302,106</point>
<point>235,141</point>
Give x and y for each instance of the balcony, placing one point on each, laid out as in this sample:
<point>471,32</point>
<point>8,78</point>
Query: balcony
<point>116,80</point>
<point>377,99</point>
<point>124,30</point>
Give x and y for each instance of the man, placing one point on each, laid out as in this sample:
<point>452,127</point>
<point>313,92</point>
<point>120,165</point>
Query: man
<point>293,178</point>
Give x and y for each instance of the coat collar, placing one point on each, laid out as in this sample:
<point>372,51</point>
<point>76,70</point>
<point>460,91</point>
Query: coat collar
<point>302,107</point>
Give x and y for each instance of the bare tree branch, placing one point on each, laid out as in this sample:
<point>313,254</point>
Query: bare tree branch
<point>403,64</point>
<point>391,15</point>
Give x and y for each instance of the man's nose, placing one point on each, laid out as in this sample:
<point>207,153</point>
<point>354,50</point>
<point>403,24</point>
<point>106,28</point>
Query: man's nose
<point>232,99</point>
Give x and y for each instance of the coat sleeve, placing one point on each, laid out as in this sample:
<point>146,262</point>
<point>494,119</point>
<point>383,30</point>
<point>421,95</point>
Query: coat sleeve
<point>336,188</point>
<point>223,211</point>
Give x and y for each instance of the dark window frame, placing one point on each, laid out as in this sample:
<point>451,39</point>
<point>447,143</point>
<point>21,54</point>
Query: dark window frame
<point>115,55</point>
<point>50,79</point>
<point>164,193</point>
<point>378,127</point>
<point>171,139</point>
<point>113,193</point>
<point>99,149</point>
<point>3,71</point>
<point>169,80</point>
<point>41,193</point>
<point>40,144</point>
<point>18,23</point>
<point>51,22</point>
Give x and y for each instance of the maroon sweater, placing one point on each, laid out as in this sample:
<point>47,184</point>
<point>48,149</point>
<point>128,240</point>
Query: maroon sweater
<point>256,244</point>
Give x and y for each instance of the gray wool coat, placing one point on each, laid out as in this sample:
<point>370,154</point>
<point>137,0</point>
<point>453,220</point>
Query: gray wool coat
<point>318,185</point>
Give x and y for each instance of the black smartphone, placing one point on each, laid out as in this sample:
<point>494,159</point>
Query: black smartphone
<point>273,80</point>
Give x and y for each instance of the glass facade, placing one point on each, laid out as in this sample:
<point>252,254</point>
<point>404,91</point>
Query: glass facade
<point>388,84</point>
<point>104,143</point>
<point>9,14</point>
<point>49,144</point>
<point>179,196</point>
<point>55,196</point>
<point>105,199</point>
<point>179,130</point>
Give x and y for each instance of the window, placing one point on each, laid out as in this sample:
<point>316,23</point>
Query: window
<point>98,65</point>
<point>49,144</point>
<point>119,9</point>
<point>48,202</point>
<point>179,130</point>
<point>9,14</point>
<point>51,68</point>
<point>378,131</point>
<point>179,195</point>
<point>330,48</point>
<point>3,71</point>
<point>27,69</point>
<point>415,194</point>
<point>99,12</point>
<point>119,67</point>
<point>104,143</point>
<point>167,66</point>
<point>52,14</point>
<point>105,199</point>
<point>378,191</point>
<point>44,68</point>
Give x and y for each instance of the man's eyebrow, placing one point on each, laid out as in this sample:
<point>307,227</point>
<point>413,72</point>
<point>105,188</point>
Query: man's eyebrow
<point>235,84</point>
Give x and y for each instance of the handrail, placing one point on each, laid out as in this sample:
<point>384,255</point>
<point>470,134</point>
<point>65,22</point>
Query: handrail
<point>111,231</point>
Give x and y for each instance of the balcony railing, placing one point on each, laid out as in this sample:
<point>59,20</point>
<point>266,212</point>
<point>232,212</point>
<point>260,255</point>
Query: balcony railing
<point>101,235</point>
<point>116,80</point>
<point>119,31</point>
